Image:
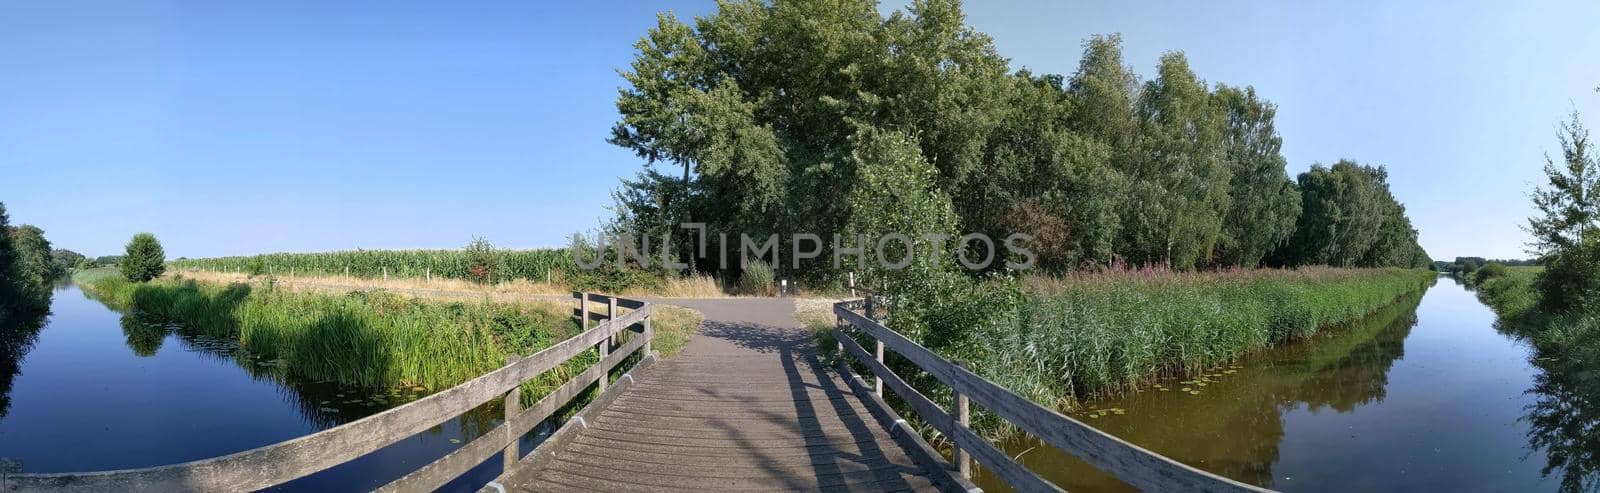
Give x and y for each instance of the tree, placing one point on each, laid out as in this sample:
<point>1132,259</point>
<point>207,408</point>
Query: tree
<point>1264,202</point>
<point>35,267</point>
<point>1180,184</point>
<point>1349,218</point>
<point>143,260</point>
<point>1570,203</point>
<point>1563,227</point>
<point>67,259</point>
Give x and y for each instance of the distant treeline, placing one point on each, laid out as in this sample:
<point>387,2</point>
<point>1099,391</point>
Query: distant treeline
<point>1471,264</point>
<point>827,117</point>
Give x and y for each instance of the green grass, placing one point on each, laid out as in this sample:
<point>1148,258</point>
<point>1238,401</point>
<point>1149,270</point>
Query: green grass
<point>533,265</point>
<point>371,339</point>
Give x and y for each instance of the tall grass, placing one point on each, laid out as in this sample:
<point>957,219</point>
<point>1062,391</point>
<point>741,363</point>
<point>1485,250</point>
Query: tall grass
<point>1070,338</point>
<point>371,339</point>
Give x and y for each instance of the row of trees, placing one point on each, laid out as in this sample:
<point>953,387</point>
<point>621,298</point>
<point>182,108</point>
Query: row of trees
<point>27,271</point>
<point>805,116</point>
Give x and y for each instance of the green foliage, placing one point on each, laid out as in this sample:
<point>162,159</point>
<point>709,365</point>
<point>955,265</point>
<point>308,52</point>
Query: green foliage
<point>35,267</point>
<point>144,259</point>
<point>21,291</point>
<point>752,120</point>
<point>484,263</point>
<point>67,259</point>
<point>1350,219</point>
<point>1068,338</point>
<point>533,265</point>
<point>757,278</point>
<point>1563,229</point>
<point>1488,272</point>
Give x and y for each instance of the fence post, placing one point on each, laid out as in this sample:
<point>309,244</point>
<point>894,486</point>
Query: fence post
<point>878,379</point>
<point>513,407</point>
<point>583,311</point>
<point>385,272</point>
<point>963,460</point>
<point>870,308</point>
<point>605,345</point>
<point>852,284</point>
<point>649,332</point>
<point>427,273</point>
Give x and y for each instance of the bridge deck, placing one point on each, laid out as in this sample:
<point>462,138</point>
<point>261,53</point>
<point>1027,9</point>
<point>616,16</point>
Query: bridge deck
<point>746,406</point>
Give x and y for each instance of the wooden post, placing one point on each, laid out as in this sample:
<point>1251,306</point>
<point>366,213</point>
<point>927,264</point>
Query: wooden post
<point>583,312</point>
<point>649,333</point>
<point>347,271</point>
<point>605,345</point>
<point>963,460</point>
<point>879,378</point>
<point>869,308</point>
<point>513,407</point>
<point>427,273</point>
<point>385,272</point>
<point>852,284</point>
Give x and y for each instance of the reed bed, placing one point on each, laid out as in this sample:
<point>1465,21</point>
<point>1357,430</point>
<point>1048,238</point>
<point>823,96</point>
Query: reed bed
<point>1074,337</point>
<point>369,338</point>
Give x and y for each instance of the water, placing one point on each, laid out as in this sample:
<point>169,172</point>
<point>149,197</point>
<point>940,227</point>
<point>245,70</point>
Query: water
<point>1422,396</point>
<point>90,389</point>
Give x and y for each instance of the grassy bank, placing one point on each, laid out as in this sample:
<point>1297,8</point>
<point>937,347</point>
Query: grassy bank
<point>1084,335</point>
<point>1060,340</point>
<point>367,338</point>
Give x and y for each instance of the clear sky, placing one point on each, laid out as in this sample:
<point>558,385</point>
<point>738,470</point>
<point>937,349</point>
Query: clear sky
<point>228,129</point>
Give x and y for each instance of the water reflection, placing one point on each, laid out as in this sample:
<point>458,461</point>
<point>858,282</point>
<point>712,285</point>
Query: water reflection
<point>17,336</point>
<point>1564,419</point>
<point>1236,426</point>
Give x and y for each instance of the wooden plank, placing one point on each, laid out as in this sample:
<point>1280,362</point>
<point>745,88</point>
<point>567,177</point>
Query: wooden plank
<point>1010,471</point>
<point>1132,464</point>
<point>559,441</point>
<point>604,299</point>
<point>285,461</point>
<point>909,439</point>
<point>459,461</point>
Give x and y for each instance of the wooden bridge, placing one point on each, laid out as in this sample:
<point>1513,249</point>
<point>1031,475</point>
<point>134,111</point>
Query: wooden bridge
<point>748,405</point>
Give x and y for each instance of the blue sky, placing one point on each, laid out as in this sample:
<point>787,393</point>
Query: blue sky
<point>229,128</point>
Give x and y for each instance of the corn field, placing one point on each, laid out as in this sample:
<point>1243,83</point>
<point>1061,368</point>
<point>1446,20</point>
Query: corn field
<point>533,265</point>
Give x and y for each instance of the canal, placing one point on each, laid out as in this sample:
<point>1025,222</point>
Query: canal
<point>88,389</point>
<point>1426,395</point>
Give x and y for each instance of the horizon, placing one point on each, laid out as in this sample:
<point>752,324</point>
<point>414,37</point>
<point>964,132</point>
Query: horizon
<point>299,127</point>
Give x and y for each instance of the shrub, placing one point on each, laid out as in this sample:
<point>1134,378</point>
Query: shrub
<point>483,262</point>
<point>1492,270</point>
<point>756,279</point>
<point>144,260</point>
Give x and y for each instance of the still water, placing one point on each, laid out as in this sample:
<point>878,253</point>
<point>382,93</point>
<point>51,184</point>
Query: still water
<point>1423,396</point>
<point>89,389</point>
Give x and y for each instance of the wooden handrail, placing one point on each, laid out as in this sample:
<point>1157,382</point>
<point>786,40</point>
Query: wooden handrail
<point>279,463</point>
<point>1130,463</point>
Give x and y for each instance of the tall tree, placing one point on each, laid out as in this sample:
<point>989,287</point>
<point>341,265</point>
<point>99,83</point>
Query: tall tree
<point>1569,204</point>
<point>1265,203</point>
<point>1180,184</point>
<point>35,266</point>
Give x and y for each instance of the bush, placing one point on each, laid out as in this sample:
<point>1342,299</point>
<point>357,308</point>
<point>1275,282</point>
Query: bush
<point>1570,279</point>
<point>756,279</point>
<point>144,259</point>
<point>1493,270</point>
<point>483,262</point>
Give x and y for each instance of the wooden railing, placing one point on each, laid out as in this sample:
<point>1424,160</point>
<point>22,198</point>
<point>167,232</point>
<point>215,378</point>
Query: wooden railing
<point>282,462</point>
<point>1136,466</point>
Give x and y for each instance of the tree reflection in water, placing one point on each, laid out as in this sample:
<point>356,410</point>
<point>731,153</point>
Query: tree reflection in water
<point>18,333</point>
<point>1236,426</point>
<point>1565,416</point>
